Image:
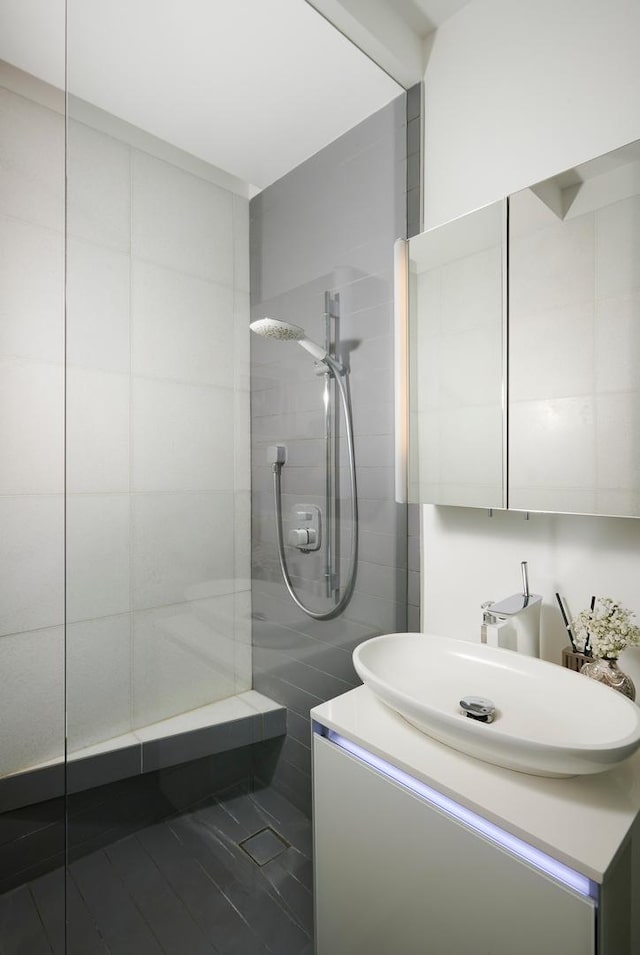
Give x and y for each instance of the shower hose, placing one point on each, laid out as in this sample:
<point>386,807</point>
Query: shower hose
<point>337,373</point>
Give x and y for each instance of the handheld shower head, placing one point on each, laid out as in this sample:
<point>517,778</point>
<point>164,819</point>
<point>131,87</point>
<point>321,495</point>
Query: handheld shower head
<point>284,332</point>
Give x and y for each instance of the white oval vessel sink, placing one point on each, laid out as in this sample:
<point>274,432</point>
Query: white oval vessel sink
<point>549,721</point>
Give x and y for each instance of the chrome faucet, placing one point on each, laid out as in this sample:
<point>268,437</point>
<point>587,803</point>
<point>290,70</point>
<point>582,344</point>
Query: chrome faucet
<point>517,617</point>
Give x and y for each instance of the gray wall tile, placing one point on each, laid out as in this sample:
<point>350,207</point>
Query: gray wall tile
<point>328,225</point>
<point>414,102</point>
<point>161,753</point>
<point>413,170</point>
<point>413,211</point>
<point>413,589</point>
<point>413,555</point>
<point>413,542</point>
<point>103,768</point>
<point>413,136</point>
<point>298,728</point>
<point>29,788</point>
<point>413,619</point>
<point>32,841</point>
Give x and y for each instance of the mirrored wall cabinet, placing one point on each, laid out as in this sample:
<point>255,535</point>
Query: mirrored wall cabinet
<point>457,429</point>
<point>524,381</point>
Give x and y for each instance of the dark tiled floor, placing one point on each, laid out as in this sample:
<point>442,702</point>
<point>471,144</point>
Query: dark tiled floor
<point>182,887</point>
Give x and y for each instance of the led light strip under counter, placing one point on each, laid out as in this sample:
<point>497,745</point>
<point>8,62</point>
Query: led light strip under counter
<point>516,847</point>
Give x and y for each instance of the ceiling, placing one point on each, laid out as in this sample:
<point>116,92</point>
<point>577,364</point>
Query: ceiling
<point>250,86</point>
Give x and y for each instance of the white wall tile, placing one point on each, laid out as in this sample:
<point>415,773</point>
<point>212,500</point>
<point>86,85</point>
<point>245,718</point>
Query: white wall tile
<point>243,668</point>
<point>181,221</point>
<point>32,282</point>
<point>243,647</point>
<point>31,427</point>
<point>219,613</point>
<point>466,495</point>
<point>190,327</point>
<point>98,680</point>
<point>471,290</point>
<point>183,326</point>
<point>97,431</point>
<point>618,248</point>
<point>618,457</point>
<point>32,559</point>
<point>98,188</point>
<point>182,437</point>
<point>242,340</point>
<point>32,723</point>
<point>98,537</point>
<point>33,164</point>
<point>552,500</point>
<point>428,289</point>
<point>242,612</point>
<point>551,353</point>
<point>183,547</point>
<point>242,535</point>
<point>472,451</point>
<point>617,502</point>
<point>181,661</point>
<point>241,243</point>
<point>529,213</point>
<point>97,307</point>
<point>471,368</point>
<point>242,406</point>
<point>552,267</point>
<point>552,443</point>
<point>424,447</point>
<point>617,343</point>
<point>426,386</point>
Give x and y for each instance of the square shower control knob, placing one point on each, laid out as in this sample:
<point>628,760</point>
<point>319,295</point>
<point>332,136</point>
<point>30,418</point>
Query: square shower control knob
<point>302,537</point>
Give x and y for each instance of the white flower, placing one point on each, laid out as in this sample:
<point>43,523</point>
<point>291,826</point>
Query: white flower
<point>606,630</point>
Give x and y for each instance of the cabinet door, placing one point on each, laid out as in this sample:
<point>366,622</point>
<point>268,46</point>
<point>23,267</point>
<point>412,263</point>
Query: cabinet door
<point>574,340</point>
<point>395,874</point>
<point>457,337</point>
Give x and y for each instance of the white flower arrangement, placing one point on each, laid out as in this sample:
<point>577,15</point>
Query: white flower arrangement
<point>606,630</point>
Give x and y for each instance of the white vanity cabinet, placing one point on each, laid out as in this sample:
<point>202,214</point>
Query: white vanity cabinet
<point>403,866</point>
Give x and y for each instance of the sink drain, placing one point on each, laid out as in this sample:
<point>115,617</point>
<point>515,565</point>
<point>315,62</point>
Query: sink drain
<point>478,708</point>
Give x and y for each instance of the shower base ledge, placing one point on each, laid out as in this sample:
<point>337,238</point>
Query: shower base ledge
<point>227,724</point>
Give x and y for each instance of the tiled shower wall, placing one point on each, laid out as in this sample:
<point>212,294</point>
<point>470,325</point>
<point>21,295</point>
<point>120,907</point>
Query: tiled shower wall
<point>157,438</point>
<point>157,432</point>
<point>329,225</point>
<point>32,216</point>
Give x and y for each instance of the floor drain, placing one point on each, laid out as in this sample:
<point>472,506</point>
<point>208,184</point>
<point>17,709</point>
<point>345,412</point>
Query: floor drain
<point>263,846</point>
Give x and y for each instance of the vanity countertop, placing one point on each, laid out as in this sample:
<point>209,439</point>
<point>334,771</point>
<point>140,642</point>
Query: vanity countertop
<point>581,821</point>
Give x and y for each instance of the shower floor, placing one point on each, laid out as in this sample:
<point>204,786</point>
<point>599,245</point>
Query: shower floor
<point>195,884</point>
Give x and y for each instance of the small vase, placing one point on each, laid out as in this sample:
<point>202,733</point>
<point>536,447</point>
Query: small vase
<point>606,670</point>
